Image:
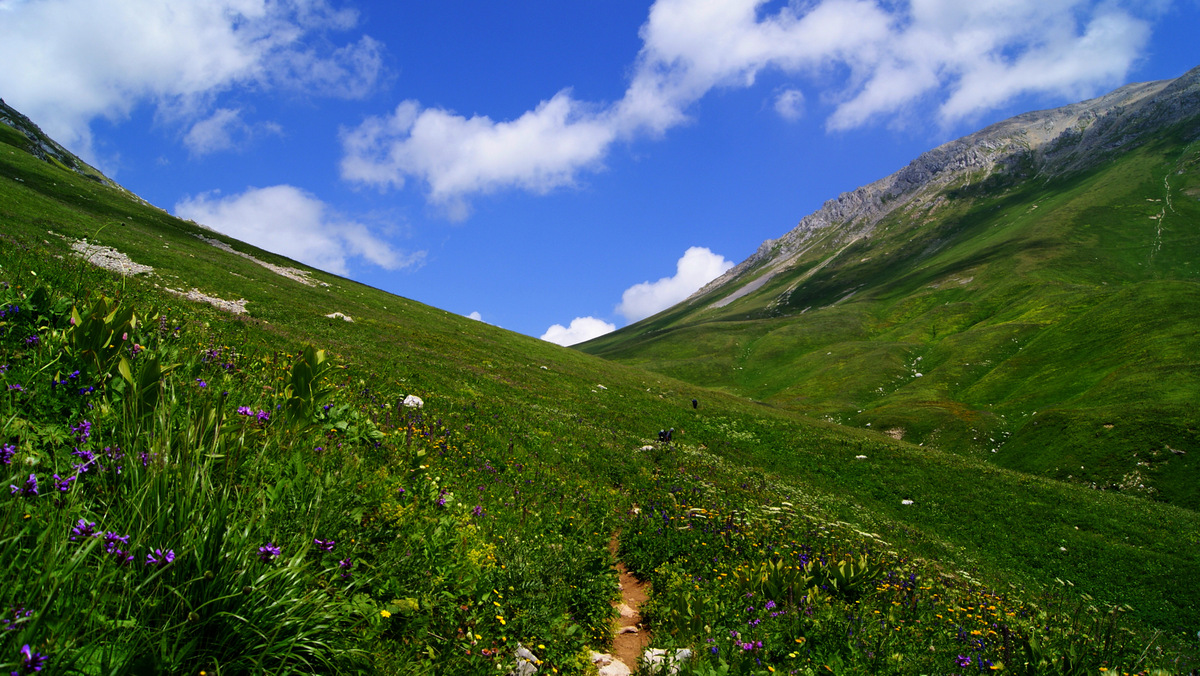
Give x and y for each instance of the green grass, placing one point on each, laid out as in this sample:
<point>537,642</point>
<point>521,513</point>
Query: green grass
<point>544,441</point>
<point>1008,297</point>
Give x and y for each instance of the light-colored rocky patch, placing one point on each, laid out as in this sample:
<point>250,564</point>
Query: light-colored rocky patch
<point>338,315</point>
<point>108,258</point>
<point>896,433</point>
<point>237,307</point>
<point>294,274</point>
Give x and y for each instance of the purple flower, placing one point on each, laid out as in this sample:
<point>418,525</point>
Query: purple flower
<point>244,410</point>
<point>346,564</point>
<point>29,489</point>
<point>111,540</point>
<point>33,340</point>
<point>17,387</point>
<point>262,416</point>
<point>30,660</point>
<point>160,558</point>
<point>770,605</point>
<point>201,383</point>
<point>268,552</point>
<point>83,430</point>
<point>478,511</point>
<point>63,485</point>
<point>324,545</point>
<point>963,661</point>
<point>83,529</point>
<point>6,453</point>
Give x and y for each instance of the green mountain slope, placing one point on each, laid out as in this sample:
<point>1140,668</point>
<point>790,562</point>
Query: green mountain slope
<point>1038,308</point>
<point>556,450</point>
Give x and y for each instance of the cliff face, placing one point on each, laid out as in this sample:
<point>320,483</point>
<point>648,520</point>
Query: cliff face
<point>1045,142</point>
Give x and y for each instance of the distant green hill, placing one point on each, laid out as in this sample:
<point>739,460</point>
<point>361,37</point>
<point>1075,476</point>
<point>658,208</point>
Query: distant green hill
<point>1028,295</point>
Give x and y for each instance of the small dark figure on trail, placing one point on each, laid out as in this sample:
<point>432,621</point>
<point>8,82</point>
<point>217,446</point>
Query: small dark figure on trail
<point>662,435</point>
<point>669,433</point>
<point>695,404</point>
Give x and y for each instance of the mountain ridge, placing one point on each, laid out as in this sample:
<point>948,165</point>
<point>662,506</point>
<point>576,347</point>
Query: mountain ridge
<point>998,145</point>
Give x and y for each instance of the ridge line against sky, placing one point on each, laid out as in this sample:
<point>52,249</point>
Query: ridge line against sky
<point>329,132</point>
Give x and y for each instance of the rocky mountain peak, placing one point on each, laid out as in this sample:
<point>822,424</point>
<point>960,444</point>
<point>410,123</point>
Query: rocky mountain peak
<point>1054,141</point>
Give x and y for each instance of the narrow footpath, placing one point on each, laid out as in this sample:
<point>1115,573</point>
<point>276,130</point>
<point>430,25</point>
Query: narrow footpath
<point>630,639</point>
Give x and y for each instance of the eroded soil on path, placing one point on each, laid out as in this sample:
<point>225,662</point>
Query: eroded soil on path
<point>628,646</point>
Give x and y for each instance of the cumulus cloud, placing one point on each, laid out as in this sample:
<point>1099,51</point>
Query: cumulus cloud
<point>457,156</point>
<point>580,330</point>
<point>697,267</point>
<point>291,222</point>
<point>960,57</point>
<point>85,59</point>
<point>476,316</point>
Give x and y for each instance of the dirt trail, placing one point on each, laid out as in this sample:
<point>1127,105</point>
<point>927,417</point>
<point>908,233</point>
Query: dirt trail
<point>628,646</point>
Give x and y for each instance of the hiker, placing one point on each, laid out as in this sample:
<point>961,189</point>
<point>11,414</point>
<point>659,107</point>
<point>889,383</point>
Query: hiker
<point>669,433</point>
<point>662,435</point>
<point>695,404</point>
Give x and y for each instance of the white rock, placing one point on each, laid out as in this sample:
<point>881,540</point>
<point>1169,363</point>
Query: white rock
<point>338,315</point>
<point>860,457</point>
<point>906,502</point>
<point>413,401</point>
<point>628,630</point>
<point>616,668</point>
<point>660,657</point>
<point>626,611</point>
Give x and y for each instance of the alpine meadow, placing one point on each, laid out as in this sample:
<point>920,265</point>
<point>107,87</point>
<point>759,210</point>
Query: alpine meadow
<point>947,425</point>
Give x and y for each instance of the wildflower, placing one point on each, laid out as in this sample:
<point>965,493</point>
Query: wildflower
<point>18,613</point>
<point>770,605</point>
<point>262,416</point>
<point>244,410</point>
<point>324,545</point>
<point>29,489</point>
<point>268,552</point>
<point>963,661</point>
<point>160,558</point>
<point>31,661</point>
<point>6,453</point>
<point>83,529</point>
<point>478,511</point>
<point>84,429</point>
<point>384,613</point>
<point>111,540</point>
<point>63,485</point>
<point>201,382</point>
<point>33,340</point>
<point>16,387</point>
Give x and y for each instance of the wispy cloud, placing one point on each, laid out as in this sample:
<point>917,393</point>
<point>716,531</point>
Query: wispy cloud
<point>87,59</point>
<point>697,267</point>
<point>580,330</point>
<point>960,57</point>
<point>288,221</point>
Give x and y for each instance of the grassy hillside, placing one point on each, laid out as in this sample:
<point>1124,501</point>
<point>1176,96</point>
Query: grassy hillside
<point>222,454</point>
<point>1049,325</point>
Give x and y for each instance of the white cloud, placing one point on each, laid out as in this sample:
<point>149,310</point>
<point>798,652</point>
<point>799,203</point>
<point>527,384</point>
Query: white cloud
<point>293,223</point>
<point>581,329</point>
<point>960,57</point>
<point>84,59</point>
<point>476,316</point>
<point>457,156</point>
<point>697,267</point>
<point>789,103</point>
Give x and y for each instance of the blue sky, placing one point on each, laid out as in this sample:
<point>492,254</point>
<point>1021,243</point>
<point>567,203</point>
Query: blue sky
<point>555,168</point>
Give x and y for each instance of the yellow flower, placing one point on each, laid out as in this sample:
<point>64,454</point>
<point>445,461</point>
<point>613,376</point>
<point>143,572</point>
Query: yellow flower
<point>500,618</point>
<point>385,613</point>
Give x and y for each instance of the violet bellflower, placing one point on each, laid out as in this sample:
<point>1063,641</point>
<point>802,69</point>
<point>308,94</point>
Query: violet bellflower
<point>324,545</point>
<point>29,489</point>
